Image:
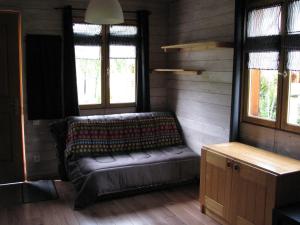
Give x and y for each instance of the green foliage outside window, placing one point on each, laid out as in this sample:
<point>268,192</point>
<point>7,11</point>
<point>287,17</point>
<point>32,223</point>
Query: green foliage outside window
<point>268,97</point>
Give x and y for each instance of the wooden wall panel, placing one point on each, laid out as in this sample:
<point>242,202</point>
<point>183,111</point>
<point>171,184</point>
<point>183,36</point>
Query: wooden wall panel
<point>194,20</point>
<point>258,136</point>
<point>281,142</point>
<point>39,17</point>
<point>202,103</point>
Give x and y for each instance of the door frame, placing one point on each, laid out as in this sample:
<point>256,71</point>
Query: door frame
<point>21,158</point>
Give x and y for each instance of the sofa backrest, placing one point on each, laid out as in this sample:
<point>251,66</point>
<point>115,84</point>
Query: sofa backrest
<point>121,133</point>
<point>93,135</point>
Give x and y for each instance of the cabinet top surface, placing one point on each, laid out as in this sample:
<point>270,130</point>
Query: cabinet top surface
<point>257,157</point>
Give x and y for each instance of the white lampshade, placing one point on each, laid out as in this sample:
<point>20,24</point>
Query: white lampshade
<point>104,12</point>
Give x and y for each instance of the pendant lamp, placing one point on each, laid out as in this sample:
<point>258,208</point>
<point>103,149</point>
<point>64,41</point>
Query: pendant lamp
<point>103,12</point>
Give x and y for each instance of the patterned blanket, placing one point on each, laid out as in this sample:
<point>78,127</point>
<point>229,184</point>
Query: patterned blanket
<point>122,134</point>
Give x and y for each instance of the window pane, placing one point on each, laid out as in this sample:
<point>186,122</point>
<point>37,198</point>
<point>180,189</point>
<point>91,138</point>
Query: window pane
<point>263,93</point>
<point>294,98</point>
<point>264,60</point>
<point>87,38</point>
<point>122,74</point>
<point>293,62</point>
<point>293,24</point>
<point>293,65</point>
<point>122,35</point>
<point>122,30</point>
<point>88,72</point>
<point>87,29</point>
<point>264,22</point>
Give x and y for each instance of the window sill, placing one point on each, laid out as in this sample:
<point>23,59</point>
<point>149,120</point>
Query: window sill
<point>260,122</point>
<point>110,106</point>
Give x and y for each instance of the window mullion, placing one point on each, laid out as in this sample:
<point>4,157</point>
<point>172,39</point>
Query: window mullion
<point>282,68</point>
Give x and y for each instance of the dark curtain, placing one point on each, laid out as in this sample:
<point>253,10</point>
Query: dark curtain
<point>70,98</point>
<point>43,73</point>
<point>143,86</point>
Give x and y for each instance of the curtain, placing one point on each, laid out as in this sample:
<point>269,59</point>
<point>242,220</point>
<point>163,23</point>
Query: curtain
<point>123,35</point>
<point>70,98</point>
<point>292,42</point>
<point>263,39</point>
<point>143,86</point>
<point>43,73</point>
<point>263,29</point>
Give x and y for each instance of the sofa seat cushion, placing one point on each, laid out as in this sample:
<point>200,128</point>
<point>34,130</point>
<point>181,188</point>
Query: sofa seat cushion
<point>113,173</point>
<point>132,159</point>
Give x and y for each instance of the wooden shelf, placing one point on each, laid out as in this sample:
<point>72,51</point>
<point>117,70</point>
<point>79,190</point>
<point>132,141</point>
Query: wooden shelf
<point>179,71</point>
<point>198,46</point>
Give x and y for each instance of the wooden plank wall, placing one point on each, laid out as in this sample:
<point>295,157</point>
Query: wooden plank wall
<point>281,142</point>
<point>202,103</point>
<point>39,17</point>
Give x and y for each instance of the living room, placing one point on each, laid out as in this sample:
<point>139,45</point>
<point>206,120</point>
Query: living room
<point>145,112</point>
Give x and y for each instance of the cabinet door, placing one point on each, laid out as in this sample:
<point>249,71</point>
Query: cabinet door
<point>251,196</point>
<point>216,173</point>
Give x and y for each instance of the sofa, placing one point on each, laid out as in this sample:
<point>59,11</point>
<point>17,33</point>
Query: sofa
<point>110,154</point>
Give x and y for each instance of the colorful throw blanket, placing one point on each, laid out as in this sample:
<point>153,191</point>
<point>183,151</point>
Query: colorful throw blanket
<point>122,134</point>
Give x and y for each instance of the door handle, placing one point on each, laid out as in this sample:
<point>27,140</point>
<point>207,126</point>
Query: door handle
<point>229,164</point>
<point>236,167</point>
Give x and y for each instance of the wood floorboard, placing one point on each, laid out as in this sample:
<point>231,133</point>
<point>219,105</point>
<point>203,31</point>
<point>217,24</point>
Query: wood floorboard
<point>176,206</point>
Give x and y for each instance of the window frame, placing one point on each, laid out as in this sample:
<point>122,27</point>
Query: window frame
<point>105,72</point>
<point>246,76</point>
<point>281,122</point>
<point>246,105</point>
<point>118,105</point>
<point>286,80</point>
<point>285,102</point>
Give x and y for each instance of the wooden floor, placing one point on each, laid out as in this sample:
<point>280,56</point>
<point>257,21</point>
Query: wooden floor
<point>173,206</point>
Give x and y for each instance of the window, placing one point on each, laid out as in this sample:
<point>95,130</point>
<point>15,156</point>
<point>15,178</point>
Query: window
<point>293,112</point>
<point>294,98</point>
<point>263,83</point>
<point>105,64</point>
<point>88,63</point>
<point>122,62</point>
<point>272,66</point>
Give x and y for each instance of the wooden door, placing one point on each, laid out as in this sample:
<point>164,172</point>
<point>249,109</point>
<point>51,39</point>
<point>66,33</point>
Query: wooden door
<point>250,196</point>
<point>216,175</point>
<point>11,157</point>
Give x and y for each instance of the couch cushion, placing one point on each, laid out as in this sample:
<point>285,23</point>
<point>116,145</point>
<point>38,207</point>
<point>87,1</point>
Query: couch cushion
<point>113,173</point>
<point>167,131</point>
<point>121,133</point>
<point>87,165</point>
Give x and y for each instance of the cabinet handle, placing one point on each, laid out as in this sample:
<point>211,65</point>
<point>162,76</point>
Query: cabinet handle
<point>236,167</point>
<point>229,164</point>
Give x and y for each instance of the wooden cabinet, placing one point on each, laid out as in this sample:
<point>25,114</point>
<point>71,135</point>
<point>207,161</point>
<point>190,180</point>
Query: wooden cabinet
<point>240,184</point>
<point>251,189</point>
<point>218,176</point>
